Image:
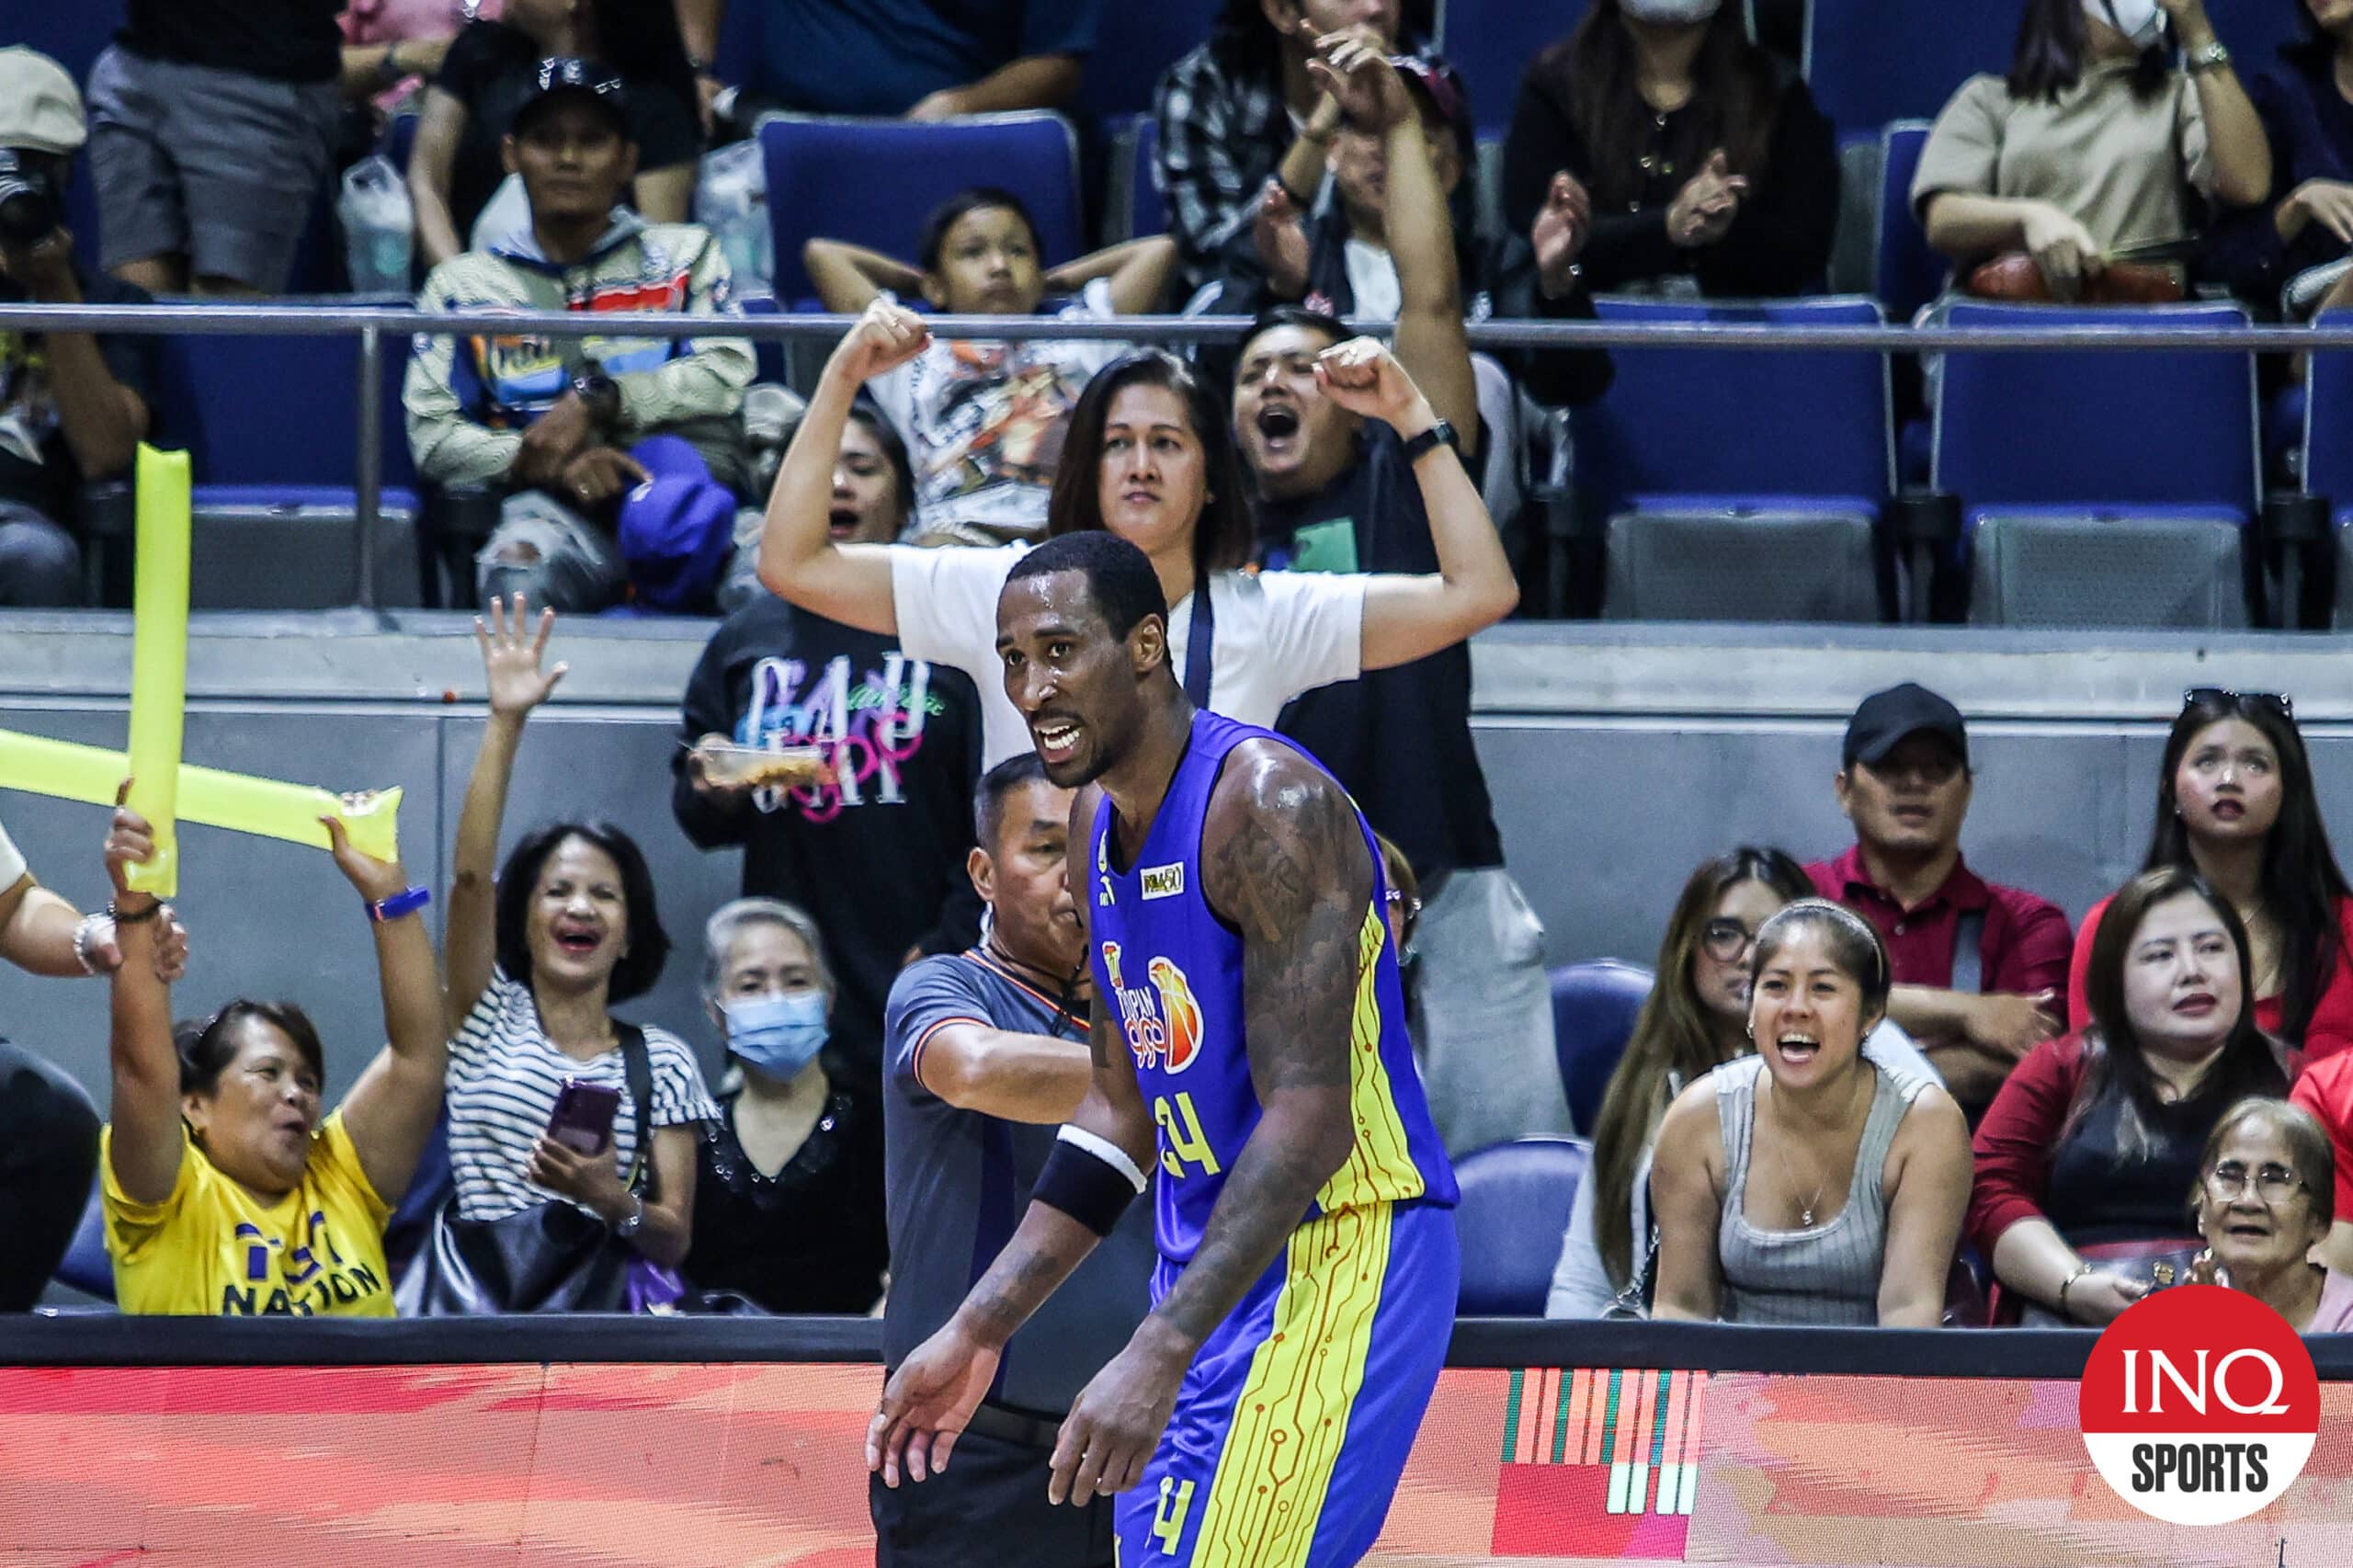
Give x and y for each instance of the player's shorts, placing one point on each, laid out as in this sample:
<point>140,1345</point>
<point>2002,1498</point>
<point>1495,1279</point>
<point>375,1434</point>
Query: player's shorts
<point>1293,1422</point>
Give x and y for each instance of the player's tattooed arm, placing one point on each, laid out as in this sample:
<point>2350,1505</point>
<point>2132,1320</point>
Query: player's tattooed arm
<point>1284,862</point>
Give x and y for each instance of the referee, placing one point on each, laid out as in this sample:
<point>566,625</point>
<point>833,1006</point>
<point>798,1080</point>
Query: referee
<point>984,1054</point>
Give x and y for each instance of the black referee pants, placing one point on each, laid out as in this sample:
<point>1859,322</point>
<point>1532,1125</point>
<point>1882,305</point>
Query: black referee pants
<point>987,1508</point>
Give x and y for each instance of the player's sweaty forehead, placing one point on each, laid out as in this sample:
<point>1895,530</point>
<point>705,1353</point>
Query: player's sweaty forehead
<point>1052,605</point>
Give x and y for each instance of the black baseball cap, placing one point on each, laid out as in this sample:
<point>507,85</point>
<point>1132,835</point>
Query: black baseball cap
<point>568,77</point>
<point>1885,718</point>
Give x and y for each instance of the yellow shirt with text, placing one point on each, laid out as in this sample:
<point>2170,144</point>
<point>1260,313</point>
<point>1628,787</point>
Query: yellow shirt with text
<point>212,1248</point>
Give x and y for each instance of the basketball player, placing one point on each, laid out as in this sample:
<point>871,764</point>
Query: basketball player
<point>1249,1034</point>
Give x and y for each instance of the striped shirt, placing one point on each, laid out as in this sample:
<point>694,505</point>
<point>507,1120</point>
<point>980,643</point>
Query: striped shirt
<point>504,1075</point>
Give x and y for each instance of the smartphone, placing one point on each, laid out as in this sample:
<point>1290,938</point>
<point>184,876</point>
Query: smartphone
<point>583,1118</point>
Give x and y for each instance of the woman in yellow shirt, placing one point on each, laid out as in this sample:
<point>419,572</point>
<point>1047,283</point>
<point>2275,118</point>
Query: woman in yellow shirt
<point>226,1191</point>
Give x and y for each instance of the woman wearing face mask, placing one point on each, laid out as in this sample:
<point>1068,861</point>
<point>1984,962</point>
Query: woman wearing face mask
<point>2084,1157</point>
<point>1656,149</point>
<point>536,960</point>
<point>1695,1020</point>
<point>1811,1185</point>
<point>2236,800</point>
<point>1148,454</point>
<point>2097,146</point>
<point>789,1179</point>
<point>2265,1199</point>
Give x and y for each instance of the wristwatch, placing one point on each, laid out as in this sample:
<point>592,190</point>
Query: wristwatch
<point>1439,435</point>
<point>2214,56</point>
<point>630,1226</point>
<point>601,394</point>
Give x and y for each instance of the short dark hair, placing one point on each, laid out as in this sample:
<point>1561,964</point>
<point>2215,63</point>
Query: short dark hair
<point>1223,533</point>
<point>988,800</point>
<point>1120,578</point>
<point>649,945</point>
<point>976,199</point>
<point>207,1046</point>
<point>868,415</point>
<point>1275,316</point>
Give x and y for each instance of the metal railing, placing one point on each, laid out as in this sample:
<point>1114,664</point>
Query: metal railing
<point>372,322</point>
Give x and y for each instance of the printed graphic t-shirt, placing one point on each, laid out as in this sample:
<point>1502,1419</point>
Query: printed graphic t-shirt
<point>212,1249</point>
<point>984,421</point>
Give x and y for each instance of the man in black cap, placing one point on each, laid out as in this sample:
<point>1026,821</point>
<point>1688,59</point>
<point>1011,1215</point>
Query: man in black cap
<point>564,423</point>
<point>1981,971</point>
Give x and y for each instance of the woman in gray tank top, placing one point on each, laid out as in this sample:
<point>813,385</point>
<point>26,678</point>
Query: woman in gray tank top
<point>1808,1184</point>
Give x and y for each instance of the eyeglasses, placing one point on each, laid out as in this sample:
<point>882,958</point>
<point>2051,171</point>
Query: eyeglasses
<point>1412,906</point>
<point>1724,938</point>
<point>2273,1184</point>
<point>2221,697</point>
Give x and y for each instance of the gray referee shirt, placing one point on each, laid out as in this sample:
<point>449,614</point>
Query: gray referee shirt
<point>958,1183</point>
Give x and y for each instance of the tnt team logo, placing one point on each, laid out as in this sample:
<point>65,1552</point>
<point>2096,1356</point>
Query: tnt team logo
<point>2199,1405</point>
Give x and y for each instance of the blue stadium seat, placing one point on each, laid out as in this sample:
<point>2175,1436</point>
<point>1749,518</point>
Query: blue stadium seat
<point>872,182</point>
<point>2254,32</point>
<point>2328,452</point>
<point>1869,62</point>
<point>1906,273</point>
<point>86,1266</point>
<point>1136,42</point>
<point>274,474</point>
<point>1492,43</point>
<point>1515,1210</point>
<point>1147,204</point>
<point>1593,1008</point>
<point>2101,489</point>
<point>1740,485</point>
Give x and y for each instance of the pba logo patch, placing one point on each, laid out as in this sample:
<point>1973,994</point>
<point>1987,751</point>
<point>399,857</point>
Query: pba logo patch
<point>2199,1405</point>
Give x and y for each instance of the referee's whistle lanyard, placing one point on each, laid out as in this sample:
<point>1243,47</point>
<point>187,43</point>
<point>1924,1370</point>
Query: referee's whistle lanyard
<point>1201,634</point>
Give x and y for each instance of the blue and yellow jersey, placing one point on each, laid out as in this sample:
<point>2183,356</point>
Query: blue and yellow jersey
<point>1172,970</point>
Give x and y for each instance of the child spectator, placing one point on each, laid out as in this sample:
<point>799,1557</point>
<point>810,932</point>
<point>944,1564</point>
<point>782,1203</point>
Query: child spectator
<point>211,124</point>
<point>575,427</point>
<point>73,404</point>
<point>984,421</point>
<point>2094,147</point>
<point>1810,1186</point>
<point>880,844</point>
<point>1707,167</point>
<point>226,1191</point>
<point>922,58</point>
<point>1242,110</point>
<point>2086,1154</point>
<point>2237,804</point>
<point>1977,966</point>
<point>1695,1020</point>
<point>789,1176</point>
<point>491,72</point>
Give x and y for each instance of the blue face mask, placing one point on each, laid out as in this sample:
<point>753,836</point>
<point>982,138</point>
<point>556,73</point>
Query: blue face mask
<point>777,1034</point>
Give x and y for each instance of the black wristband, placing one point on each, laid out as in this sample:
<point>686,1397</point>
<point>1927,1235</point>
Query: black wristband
<point>138,917</point>
<point>1439,435</point>
<point>1301,203</point>
<point>1084,1186</point>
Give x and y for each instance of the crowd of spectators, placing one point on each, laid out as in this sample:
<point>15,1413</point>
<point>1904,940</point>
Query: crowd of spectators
<point>1851,1076</point>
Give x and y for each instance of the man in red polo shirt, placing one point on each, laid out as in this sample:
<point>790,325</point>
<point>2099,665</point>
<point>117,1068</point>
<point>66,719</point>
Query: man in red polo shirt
<point>1981,971</point>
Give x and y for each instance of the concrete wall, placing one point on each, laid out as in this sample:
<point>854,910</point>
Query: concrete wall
<point>1619,758</point>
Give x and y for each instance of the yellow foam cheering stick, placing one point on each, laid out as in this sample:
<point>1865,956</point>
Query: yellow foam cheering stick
<point>159,662</point>
<point>206,795</point>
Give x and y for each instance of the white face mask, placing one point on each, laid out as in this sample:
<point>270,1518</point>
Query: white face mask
<point>1671,13</point>
<point>2139,20</point>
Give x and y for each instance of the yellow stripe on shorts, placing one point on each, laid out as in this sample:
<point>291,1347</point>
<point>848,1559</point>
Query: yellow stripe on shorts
<point>1292,1417</point>
<point>1380,1168</point>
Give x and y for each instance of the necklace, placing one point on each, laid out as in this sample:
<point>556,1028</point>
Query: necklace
<point>1806,1205</point>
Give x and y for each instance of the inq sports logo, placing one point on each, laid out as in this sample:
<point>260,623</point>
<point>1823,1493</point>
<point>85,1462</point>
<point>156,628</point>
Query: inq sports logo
<point>2199,1405</point>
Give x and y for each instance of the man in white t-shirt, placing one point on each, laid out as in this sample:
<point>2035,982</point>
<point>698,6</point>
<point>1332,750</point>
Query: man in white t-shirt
<point>48,1129</point>
<point>983,420</point>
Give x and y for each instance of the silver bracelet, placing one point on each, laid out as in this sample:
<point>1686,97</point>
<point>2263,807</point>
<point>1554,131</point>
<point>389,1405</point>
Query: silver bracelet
<point>84,935</point>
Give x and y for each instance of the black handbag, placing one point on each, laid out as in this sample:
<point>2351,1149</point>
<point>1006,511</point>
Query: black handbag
<point>551,1258</point>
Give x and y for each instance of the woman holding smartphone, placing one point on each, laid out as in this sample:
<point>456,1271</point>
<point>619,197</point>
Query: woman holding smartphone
<point>535,963</point>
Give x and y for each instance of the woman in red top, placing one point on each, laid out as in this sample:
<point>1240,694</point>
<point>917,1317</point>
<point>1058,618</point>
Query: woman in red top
<point>2236,800</point>
<point>2088,1156</point>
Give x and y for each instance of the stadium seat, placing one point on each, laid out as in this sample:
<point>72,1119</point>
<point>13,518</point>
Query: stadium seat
<point>86,1266</point>
<point>1135,44</point>
<point>1515,1210</point>
<point>2101,489</point>
<point>2255,32</point>
<point>1905,274</point>
<point>1492,43</point>
<point>1135,206</point>
<point>1869,62</point>
<point>2328,453</point>
<point>872,182</point>
<point>1593,1008</point>
<point>276,511</point>
<point>1740,485</point>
